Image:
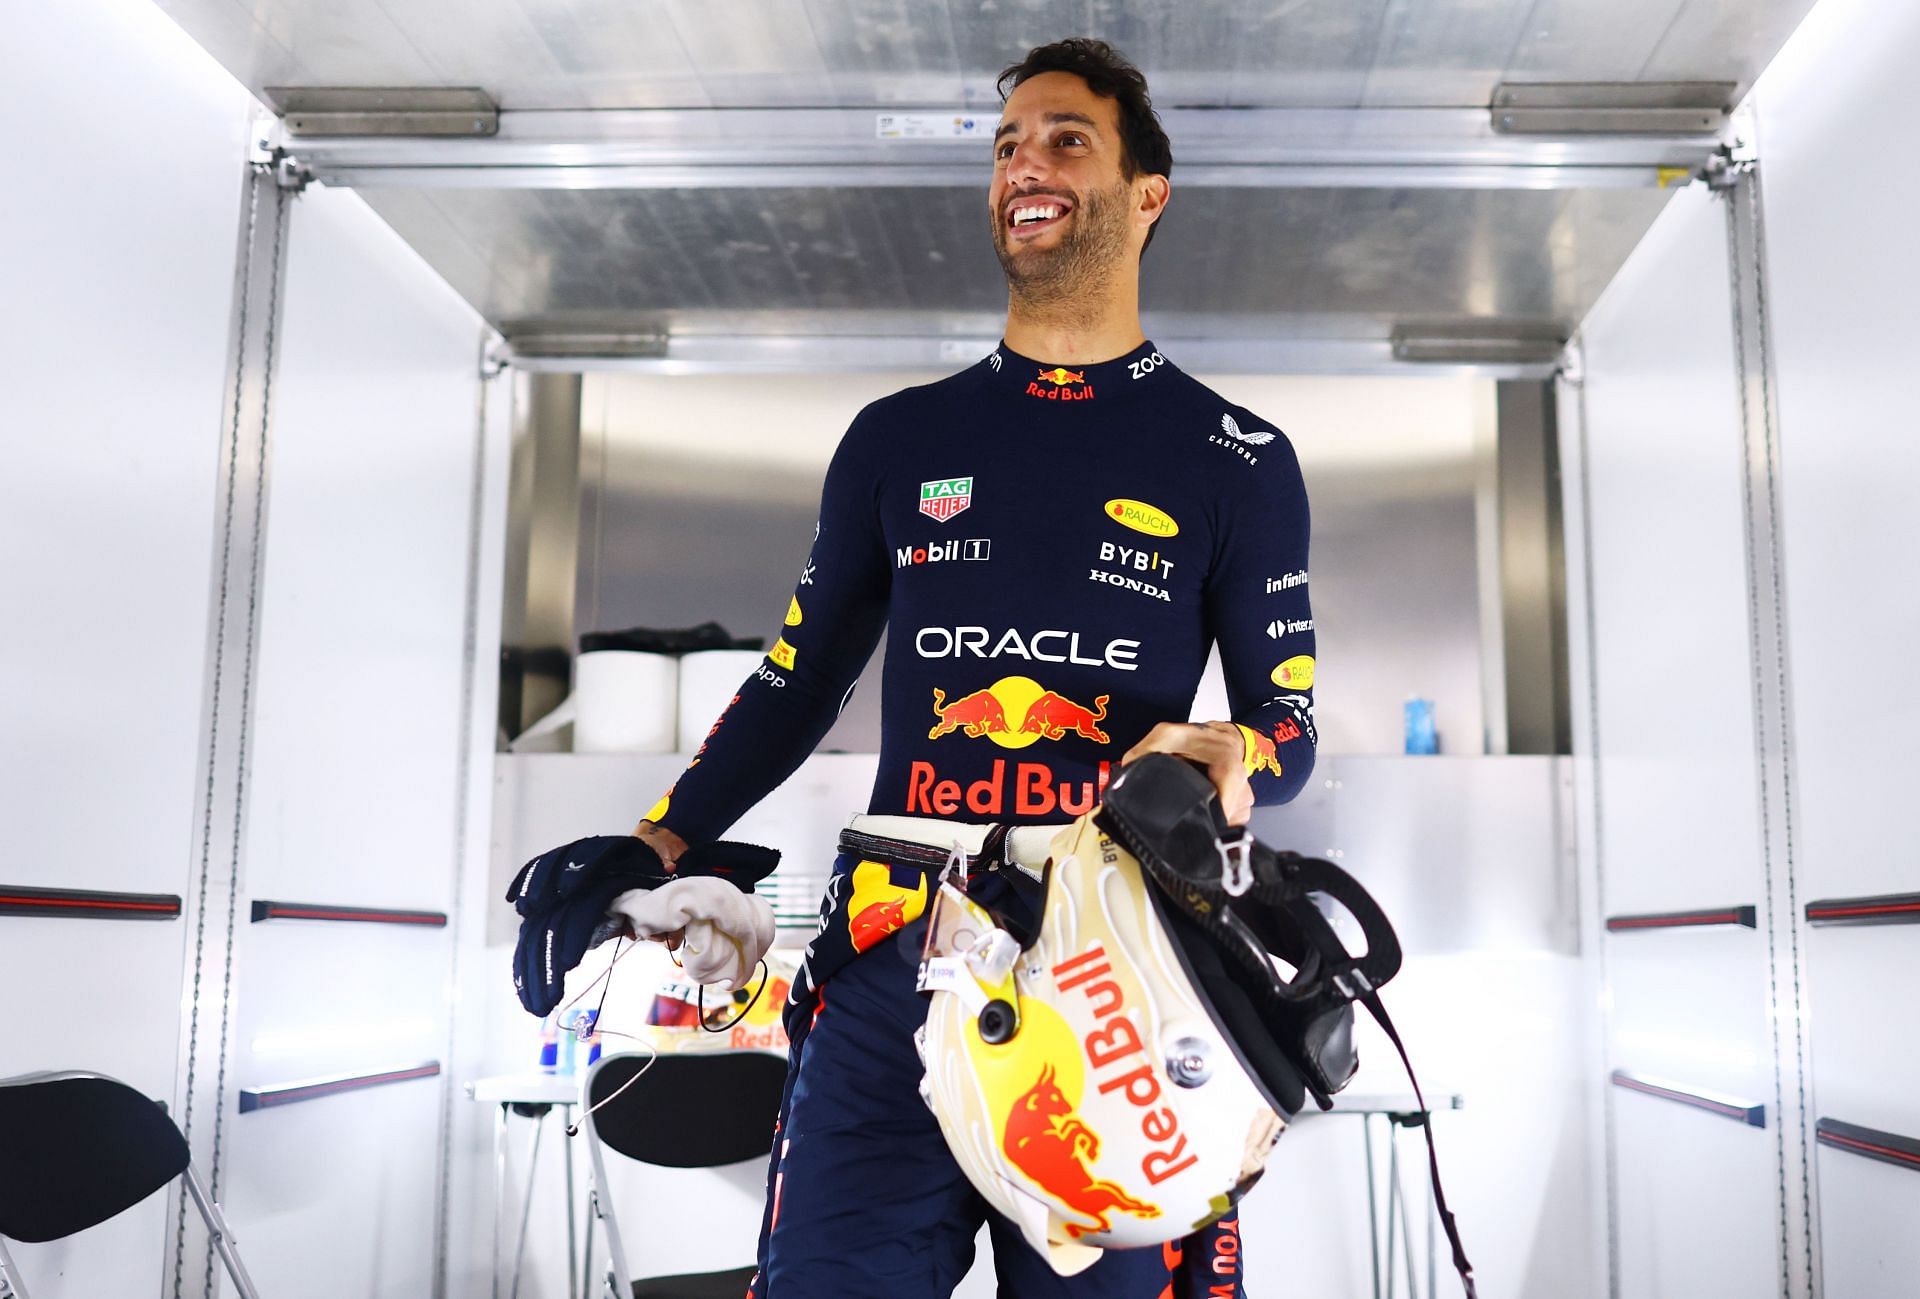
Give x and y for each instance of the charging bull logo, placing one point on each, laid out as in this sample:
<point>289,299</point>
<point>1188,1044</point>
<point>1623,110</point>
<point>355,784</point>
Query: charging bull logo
<point>1262,753</point>
<point>1048,1142</point>
<point>1044,714</point>
<point>1060,384</point>
<point>880,907</point>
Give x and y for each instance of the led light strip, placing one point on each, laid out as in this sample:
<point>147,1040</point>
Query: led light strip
<point>263,910</point>
<point>260,1098</point>
<point>16,900</point>
<point>1745,917</point>
<point>1725,1106</point>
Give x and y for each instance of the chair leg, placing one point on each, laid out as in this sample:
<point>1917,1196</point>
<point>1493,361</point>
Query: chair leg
<point>11,1286</point>
<point>618,1276</point>
<point>221,1233</point>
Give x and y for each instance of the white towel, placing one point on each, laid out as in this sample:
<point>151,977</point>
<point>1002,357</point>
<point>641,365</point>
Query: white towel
<point>727,931</point>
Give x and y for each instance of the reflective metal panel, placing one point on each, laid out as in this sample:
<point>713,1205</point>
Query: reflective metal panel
<point>946,53</point>
<point>1335,263</point>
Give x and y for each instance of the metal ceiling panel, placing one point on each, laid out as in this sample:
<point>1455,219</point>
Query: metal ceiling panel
<point>1351,261</point>
<point>763,53</point>
<point>1444,51</point>
<point>946,53</point>
<point>1737,38</point>
<point>797,224</point>
<point>900,51</point>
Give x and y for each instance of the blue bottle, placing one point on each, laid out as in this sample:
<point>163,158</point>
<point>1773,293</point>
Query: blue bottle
<point>1421,736</point>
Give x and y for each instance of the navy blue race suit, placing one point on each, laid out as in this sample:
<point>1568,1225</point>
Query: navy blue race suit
<point>1053,550</point>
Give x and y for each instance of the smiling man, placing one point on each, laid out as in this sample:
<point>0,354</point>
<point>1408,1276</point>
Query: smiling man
<point>1055,536</point>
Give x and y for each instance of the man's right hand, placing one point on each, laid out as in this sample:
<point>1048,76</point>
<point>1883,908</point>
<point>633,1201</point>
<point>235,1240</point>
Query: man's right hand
<point>663,841</point>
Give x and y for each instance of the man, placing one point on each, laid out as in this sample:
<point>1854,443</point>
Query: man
<point>1054,536</point>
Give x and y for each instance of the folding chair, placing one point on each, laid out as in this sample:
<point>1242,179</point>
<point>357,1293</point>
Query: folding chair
<point>78,1148</point>
<point>686,1111</point>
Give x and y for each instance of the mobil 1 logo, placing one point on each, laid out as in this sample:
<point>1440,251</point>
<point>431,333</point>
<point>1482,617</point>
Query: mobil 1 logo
<point>941,552</point>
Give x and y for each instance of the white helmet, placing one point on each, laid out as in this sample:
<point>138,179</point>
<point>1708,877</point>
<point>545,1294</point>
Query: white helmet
<point>1118,1079</point>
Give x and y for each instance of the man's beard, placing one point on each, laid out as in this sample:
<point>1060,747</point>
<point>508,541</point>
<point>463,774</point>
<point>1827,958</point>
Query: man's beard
<point>1048,279</point>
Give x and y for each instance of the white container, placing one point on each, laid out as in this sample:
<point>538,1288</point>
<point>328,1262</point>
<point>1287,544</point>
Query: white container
<point>709,679</point>
<point>625,702</point>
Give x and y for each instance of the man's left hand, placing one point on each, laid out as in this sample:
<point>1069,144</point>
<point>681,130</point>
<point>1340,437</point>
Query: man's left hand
<point>1219,747</point>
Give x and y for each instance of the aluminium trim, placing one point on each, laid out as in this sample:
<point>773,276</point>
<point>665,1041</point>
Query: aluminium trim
<point>265,910</point>
<point>1878,909</point>
<point>1745,917</point>
<point>651,148</point>
<point>90,904</point>
<point>1751,1113</point>
<point>1240,353</point>
<point>1871,1143</point>
<point>292,1093</point>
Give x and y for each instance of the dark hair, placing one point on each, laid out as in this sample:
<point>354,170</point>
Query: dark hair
<point>1144,146</point>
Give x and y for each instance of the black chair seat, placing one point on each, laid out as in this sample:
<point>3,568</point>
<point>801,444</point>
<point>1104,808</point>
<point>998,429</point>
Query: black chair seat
<point>75,1150</point>
<point>689,1111</point>
<point>730,1284</point>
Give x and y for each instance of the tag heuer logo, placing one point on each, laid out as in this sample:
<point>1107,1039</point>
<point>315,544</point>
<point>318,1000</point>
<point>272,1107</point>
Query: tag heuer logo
<point>943,498</point>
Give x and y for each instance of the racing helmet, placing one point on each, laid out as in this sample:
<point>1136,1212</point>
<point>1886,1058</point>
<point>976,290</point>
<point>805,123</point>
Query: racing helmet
<point>1118,1076</point>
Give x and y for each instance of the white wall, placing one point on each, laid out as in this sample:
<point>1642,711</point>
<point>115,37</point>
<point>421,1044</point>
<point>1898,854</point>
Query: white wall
<point>353,797</point>
<point>671,462</point>
<point>1678,793</point>
<point>118,220</point>
<point>1675,772</point>
<point>1845,285</point>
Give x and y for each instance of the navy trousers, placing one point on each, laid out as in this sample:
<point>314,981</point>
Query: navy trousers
<point>864,1201</point>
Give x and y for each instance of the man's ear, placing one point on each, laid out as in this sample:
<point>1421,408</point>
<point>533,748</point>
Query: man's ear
<point>1151,193</point>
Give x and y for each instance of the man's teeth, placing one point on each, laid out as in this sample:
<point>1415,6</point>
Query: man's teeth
<point>1027,215</point>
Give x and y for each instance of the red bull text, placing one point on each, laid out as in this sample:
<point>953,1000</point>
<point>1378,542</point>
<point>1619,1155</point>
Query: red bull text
<point>1121,1063</point>
<point>1034,791</point>
<point>1062,384</point>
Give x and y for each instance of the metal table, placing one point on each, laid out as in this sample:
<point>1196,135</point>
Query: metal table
<point>1398,1111</point>
<point>533,1095</point>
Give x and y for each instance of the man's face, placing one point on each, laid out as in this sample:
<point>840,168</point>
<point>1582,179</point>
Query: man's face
<point>1060,206</point>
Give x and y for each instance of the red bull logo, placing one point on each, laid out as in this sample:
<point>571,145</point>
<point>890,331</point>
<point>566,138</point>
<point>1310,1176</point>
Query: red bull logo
<point>880,907</point>
<point>1048,1142</point>
<point>1061,384</point>
<point>1052,716</point>
<point>980,713</point>
<point>1262,753</point>
<point>1034,790</point>
<point>1042,714</point>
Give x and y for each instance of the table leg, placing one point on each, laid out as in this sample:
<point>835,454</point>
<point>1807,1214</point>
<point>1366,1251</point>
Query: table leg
<point>526,1208</point>
<point>1373,1213</point>
<point>573,1265</point>
<point>1393,1199</point>
<point>1406,1220</point>
<point>499,1191</point>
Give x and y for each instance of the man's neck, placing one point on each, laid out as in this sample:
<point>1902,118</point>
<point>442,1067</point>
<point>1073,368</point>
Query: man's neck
<point>1087,330</point>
